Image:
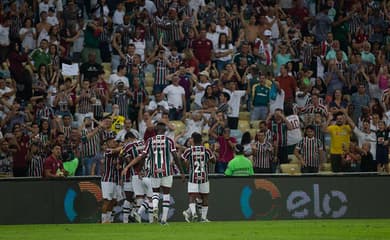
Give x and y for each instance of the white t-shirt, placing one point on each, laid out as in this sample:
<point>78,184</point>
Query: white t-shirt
<point>277,103</point>
<point>150,7</point>
<point>114,79</point>
<point>52,20</point>
<point>142,129</point>
<point>153,105</point>
<point>274,27</point>
<point>200,93</point>
<point>223,50</point>
<point>44,6</point>
<point>139,47</point>
<point>175,95</point>
<point>4,35</point>
<point>28,41</point>
<point>213,37</point>
<point>366,137</point>
<point>193,126</point>
<point>118,17</point>
<point>224,29</point>
<point>196,4</point>
<point>234,102</point>
<point>294,135</point>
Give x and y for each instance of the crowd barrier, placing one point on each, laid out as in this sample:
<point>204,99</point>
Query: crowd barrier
<point>78,199</point>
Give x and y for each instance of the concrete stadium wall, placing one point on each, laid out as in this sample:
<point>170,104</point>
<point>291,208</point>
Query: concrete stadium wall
<point>78,200</point>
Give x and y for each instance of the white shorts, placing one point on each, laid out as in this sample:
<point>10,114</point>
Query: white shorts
<point>162,182</point>
<point>128,187</point>
<point>108,190</point>
<point>119,193</point>
<point>199,188</point>
<point>142,186</point>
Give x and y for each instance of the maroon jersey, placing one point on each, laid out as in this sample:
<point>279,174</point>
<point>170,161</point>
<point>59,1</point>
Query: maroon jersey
<point>53,164</point>
<point>159,159</point>
<point>198,158</point>
<point>110,173</point>
<point>132,150</point>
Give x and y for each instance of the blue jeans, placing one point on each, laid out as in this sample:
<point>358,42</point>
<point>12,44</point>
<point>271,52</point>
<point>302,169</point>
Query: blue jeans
<point>221,64</point>
<point>259,113</point>
<point>175,114</point>
<point>87,163</point>
<point>220,167</point>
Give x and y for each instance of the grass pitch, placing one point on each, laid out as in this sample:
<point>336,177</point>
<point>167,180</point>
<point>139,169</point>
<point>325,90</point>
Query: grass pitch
<point>300,230</point>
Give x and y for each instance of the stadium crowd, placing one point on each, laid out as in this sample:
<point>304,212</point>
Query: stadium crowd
<point>291,81</point>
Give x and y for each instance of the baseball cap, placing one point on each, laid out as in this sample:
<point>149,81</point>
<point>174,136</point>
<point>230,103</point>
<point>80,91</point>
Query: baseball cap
<point>239,148</point>
<point>267,33</point>
<point>204,73</point>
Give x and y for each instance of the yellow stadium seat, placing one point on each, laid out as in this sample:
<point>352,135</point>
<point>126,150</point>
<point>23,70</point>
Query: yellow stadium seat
<point>179,126</point>
<point>290,168</point>
<point>293,159</point>
<point>255,124</point>
<point>149,90</point>
<point>253,132</point>
<point>245,116</point>
<point>107,67</point>
<point>149,80</point>
<point>243,125</point>
<point>327,167</point>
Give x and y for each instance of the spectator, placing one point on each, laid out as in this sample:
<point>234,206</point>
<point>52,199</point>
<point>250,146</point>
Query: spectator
<point>176,99</point>
<point>309,152</point>
<point>53,167</point>
<point>263,153</point>
<point>239,165</point>
<point>340,134</point>
<point>225,145</point>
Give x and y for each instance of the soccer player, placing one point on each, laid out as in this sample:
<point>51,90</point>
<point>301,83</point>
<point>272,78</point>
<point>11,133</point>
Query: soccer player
<point>309,152</point>
<point>141,184</point>
<point>159,152</point>
<point>197,158</point>
<point>128,189</point>
<point>109,177</point>
<point>262,153</point>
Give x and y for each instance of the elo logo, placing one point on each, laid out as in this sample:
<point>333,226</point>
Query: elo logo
<point>71,195</point>
<point>261,184</point>
<point>298,202</point>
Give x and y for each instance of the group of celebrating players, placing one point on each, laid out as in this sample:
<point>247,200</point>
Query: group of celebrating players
<point>137,171</point>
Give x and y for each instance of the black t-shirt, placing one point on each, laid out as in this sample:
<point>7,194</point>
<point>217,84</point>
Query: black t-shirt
<point>90,70</point>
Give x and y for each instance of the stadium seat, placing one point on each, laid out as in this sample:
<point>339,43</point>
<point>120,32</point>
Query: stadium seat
<point>255,124</point>
<point>149,90</point>
<point>290,168</point>
<point>243,125</point>
<point>327,167</point>
<point>293,159</point>
<point>253,132</point>
<point>179,127</point>
<point>149,80</point>
<point>245,116</point>
<point>107,67</point>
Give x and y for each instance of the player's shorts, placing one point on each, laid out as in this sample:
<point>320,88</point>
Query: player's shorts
<point>119,193</point>
<point>142,186</point>
<point>128,187</point>
<point>108,190</point>
<point>162,182</point>
<point>199,187</point>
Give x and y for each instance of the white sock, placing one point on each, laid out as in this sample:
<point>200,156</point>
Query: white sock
<point>165,207</point>
<point>144,207</point>
<point>104,217</point>
<point>204,212</point>
<point>126,211</point>
<point>150,211</point>
<point>155,200</point>
<point>109,216</point>
<point>193,208</point>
